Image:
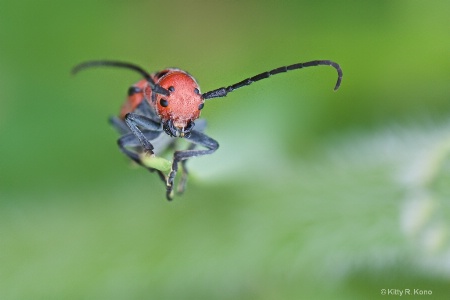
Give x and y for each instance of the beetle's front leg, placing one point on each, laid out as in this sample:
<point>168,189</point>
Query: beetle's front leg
<point>198,138</point>
<point>152,130</point>
<point>134,120</point>
<point>130,141</point>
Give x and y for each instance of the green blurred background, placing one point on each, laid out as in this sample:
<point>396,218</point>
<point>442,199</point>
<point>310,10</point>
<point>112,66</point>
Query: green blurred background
<point>312,194</point>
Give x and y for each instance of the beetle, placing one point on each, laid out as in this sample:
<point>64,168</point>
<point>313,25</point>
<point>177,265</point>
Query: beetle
<point>170,101</point>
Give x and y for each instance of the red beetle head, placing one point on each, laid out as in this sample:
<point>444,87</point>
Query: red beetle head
<point>182,106</point>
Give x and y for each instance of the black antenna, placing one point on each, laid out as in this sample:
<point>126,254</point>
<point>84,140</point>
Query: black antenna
<point>108,63</point>
<point>222,92</point>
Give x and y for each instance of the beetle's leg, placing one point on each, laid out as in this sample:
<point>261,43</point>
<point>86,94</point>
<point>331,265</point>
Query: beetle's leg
<point>134,121</point>
<point>200,126</point>
<point>197,138</point>
<point>143,109</point>
<point>152,130</point>
<point>119,125</point>
<point>131,141</point>
<point>184,172</point>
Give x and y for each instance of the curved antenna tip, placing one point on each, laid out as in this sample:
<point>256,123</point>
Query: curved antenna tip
<point>338,84</point>
<point>340,74</point>
<point>75,69</point>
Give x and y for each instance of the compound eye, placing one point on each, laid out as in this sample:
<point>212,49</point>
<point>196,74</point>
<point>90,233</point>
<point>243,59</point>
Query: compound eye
<point>171,88</point>
<point>201,106</point>
<point>197,91</point>
<point>164,102</point>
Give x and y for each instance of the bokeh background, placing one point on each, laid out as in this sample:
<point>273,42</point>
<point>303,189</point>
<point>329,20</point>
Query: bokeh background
<point>313,193</point>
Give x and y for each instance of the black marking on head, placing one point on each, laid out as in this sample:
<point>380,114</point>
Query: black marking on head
<point>133,90</point>
<point>171,89</point>
<point>200,106</point>
<point>164,102</point>
<point>161,74</point>
<point>197,91</point>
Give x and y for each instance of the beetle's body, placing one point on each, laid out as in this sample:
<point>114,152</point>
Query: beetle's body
<point>185,100</point>
<point>170,101</point>
<point>135,97</point>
